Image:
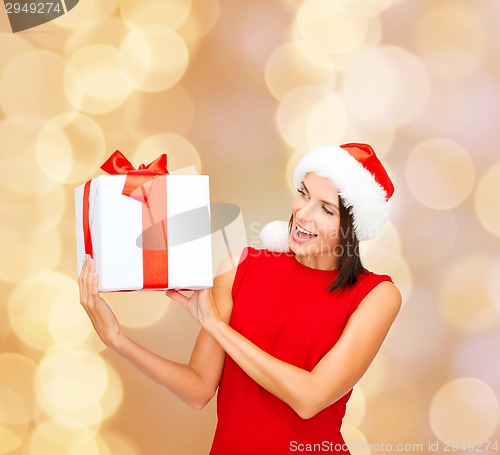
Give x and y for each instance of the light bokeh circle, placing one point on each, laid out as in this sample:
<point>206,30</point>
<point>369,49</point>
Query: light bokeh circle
<point>464,410</point>
<point>391,71</point>
<point>180,152</point>
<point>72,440</point>
<point>376,377</point>
<point>440,173</point>
<point>356,409</point>
<point>486,200</point>
<point>319,127</point>
<point>450,38</point>
<point>110,32</point>
<point>12,437</point>
<point>369,119</point>
<point>101,86</point>
<point>113,394</point>
<point>291,164</point>
<point>91,416</point>
<point>170,14</point>
<point>493,283</point>
<point>44,95</point>
<point>153,58</point>
<point>464,298</point>
<point>94,413</point>
<point>417,315</point>
<point>20,171</point>
<point>12,409</point>
<point>14,420</point>
<point>67,321</point>
<point>30,303</point>
<point>305,117</point>
<point>72,378</point>
<point>355,440</point>
<point>17,374</point>
<point>12,46</point>
<point>365,8</point>
<point>148,114</point>
<point>298,63</point>
<point>29,239</point>
<point>388,239</point>
<point>27,254</point>
<point>475,356</point>
<point>87,14</point>
<point>330,28</point>
<point>16,220</point>
<point>200,22</point>
<point>70,149</point>
<point>382,259</point>
<point>138,311</point>
<point>429,234</point>
<point>17,400</point>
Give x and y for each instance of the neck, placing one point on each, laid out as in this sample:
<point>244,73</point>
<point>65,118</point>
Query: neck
<point>323,262</point>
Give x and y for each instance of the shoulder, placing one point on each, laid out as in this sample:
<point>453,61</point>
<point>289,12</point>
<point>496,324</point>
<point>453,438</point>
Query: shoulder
<point>232,264</point>
<point>383,297</point>
<point>223,282</point>
<point>226,271</point>
<point>376,291</point>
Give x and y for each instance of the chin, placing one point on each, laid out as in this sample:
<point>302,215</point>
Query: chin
<point>303,249</point>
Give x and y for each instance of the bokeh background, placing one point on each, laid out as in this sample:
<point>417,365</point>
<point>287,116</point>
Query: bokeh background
<point>239,91</point>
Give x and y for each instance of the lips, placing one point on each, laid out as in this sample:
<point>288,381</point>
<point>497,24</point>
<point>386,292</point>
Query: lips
<point>301,234</point>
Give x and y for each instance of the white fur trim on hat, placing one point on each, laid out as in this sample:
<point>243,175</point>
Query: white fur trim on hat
<point>357,187</point>
<point>274,236</point>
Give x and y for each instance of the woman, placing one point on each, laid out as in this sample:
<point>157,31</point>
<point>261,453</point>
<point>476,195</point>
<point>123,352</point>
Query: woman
<point>286,335</point>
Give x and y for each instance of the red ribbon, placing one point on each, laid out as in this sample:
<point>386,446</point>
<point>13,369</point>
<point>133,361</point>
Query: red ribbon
<point>154,235</point>
<point>87,237</point>
<point>136,178</point>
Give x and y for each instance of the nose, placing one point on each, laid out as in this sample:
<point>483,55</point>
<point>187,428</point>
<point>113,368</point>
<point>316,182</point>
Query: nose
<point>305,212</point>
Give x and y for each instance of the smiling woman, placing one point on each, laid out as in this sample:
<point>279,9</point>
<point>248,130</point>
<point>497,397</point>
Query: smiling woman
<point>280,344</point>
<point>333,235</point>
<point>344,192</point>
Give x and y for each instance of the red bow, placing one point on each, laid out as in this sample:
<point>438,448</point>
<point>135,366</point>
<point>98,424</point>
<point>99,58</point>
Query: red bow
<point>136,178</point>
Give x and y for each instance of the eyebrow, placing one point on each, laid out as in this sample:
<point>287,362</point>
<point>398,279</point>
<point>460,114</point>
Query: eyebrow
<point>324,202</point>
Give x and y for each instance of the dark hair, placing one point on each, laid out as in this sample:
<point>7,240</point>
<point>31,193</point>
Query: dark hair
<point>349,262</point>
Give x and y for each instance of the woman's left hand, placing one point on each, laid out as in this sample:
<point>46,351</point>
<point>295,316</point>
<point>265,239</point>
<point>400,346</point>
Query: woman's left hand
<point>200,305</point>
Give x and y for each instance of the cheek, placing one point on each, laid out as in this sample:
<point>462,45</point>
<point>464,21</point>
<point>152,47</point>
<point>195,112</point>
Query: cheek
<point>297,204</point>
<point>330,229</point>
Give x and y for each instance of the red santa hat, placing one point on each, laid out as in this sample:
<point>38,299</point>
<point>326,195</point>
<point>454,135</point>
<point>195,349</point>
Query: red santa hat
<point>362,183</point>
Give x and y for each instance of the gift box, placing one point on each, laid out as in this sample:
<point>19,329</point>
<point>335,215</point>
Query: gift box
<point>145,229</point>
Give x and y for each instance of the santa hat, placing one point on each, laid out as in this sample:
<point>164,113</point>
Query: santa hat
<point>362,183</point>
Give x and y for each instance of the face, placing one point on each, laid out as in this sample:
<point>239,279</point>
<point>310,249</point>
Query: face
<point>315,223</point>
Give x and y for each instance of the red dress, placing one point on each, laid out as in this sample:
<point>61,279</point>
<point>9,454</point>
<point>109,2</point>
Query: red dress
<point>285,309</point>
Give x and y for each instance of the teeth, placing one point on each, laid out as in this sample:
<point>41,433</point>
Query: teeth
<point>304,231</point>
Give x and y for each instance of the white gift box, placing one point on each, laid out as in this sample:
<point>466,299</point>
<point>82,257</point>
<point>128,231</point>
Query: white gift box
<point>117,228</point>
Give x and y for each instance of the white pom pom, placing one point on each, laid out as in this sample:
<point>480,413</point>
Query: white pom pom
<point>274,236</point>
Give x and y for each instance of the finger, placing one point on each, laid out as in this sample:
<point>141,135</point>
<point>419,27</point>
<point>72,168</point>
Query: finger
<point>89,278</point>
<point>95,285</point>
<point>177,296</point>
<point>82,281</point>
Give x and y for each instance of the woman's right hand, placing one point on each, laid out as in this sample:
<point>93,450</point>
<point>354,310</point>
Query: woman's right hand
<point>103,319</point>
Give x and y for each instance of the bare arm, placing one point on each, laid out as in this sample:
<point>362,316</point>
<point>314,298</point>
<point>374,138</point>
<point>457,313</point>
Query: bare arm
<point>194,382</point>
<point>337,372</point>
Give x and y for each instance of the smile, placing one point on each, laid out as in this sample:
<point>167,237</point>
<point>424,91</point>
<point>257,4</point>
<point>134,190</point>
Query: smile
<point>300,234</point>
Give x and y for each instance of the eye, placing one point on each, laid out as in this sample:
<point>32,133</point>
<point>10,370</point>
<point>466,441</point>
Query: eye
<point>302,193</point>
<point>327,210</point>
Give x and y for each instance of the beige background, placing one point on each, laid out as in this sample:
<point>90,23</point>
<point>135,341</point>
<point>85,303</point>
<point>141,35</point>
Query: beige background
<point>241,90</point>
